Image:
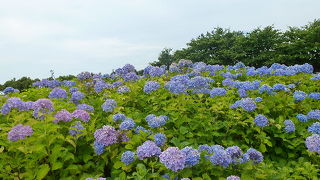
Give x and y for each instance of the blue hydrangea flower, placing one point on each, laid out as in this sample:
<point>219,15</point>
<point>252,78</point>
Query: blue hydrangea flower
<point>140,128</point>
<point>154,121</point>
<point>246,103</point>
<point>242,93</point>
<point>217,92</point>
<point>151,86</point>
<point>299,95</point>
<point>63,115</point>
<point>192,156</point>
<point>258,99</point>
<point>127,124</point>
<point>279,87</point>
<point>76,97</point>
<point>58,93</point>
<point>109,105</point>
<point>132,76</point>
<point>314,114</point>
<point>233,177</point>
<point>98,148</point>
<point>19,132</point>
<point>314,95</point>
<point>127,157</point>
<point>156,71</point>
<point>85,107</point>
<point>148,149</point>
<point>314,128</point>
<point>77,126</point>
<point>252,155</point>
<point>289,126</point>
<point>302,117</point>
<point>84,76</point>
<point>185,63</point>
<point>261,120</point>
<point>160,139</point>
<point>73,89</point>
<point>266,88</point>
<point>69,83</point>
<point>173,158</point>
<point>221,157</point>
<point>235,152</point>
<point>119,116</point>
<point>313,143</point>
<point>123,89</point>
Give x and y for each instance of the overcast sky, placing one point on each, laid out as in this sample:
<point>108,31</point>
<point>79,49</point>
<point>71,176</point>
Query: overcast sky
<point>71,36</point>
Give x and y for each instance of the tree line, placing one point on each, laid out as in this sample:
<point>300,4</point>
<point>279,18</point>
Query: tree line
<point>259,47</point>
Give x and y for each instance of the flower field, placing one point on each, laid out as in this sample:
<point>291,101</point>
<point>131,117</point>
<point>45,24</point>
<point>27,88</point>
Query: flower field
<point>190,121</point>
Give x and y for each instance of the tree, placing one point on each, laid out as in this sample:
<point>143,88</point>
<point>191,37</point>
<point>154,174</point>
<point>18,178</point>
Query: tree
<point>165,58</point>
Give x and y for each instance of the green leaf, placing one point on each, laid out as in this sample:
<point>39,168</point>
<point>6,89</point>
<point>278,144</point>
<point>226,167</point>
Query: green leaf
<point>43,171</point>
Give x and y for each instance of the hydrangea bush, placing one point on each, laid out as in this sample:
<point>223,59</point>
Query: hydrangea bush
<point>191,121</point>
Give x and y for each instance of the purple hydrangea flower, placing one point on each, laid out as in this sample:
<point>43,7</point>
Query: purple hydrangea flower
<point>261,120</point>
<point>313,143</point>
<point>106,136</point>
<point>148,149</point>
<point>109,105</point>
<point>73,89</point>
<point>192,156</point>
<point>151,86</point>
<point>19,132</point>
<point>63,115</point>
<point>160,139</point>
<point>314,128</point>
<point>69,83</point>
<point>173,158</point>
<point>289,126</point>
<point>235,152</point>
<point>43,106</point>
<point>315,114</point>
<point>58,93</point>
<point>81,114</point>
<point>84,76</point>
<point>156,71</point>
<point>85,107</point>
<point>13,102</point>
<point>132,76</point>
<point>140,128</point>
<point>127,157</point>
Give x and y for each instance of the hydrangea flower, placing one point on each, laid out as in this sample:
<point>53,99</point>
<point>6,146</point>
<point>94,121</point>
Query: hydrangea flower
<point>160,139</point>
<point>315,114</point>
<point>192,156</point>
<point>63,115</point>
<point>58,93</point>
<point>19,132</point>
<point>261,120</point>
<point>148,149</point>
<point>279,87</point>
<point>127,124</point>
<point>246,103</point>
<point>14,102</point>
<point>314,95</point>
<point>258,99</point>
<point>85,107</point>
<point>156,71</point>
<point>233,178</point>
<point>253,155</point>
<point>313,143</point>
<point>140,128</point>
<point>109,105</point>
<point>98,148</point>
<point>43,106</point>
<point>289,126</point>
<point>81,114</point>
<point>76,97</point>
<point>266,88</point>
<point>127,157</point>
<point>119,116</point>
<point>242,93</point>
<point>123,89</point>
<point>77,126</point>
<point>314,128</point>
<point>302,117</point>
<point>73,89</point>
<point>106,136</point>
<point>84,76</point>
<point>173,158</point>
<point>235,152</point>
<point>131,77</point>
<point>221,157</point>
<point>299,95</point>
<point>217,92</point>
<point>151,86</point>
<point>154,121</point>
